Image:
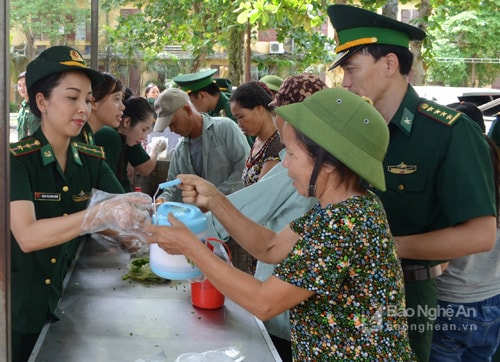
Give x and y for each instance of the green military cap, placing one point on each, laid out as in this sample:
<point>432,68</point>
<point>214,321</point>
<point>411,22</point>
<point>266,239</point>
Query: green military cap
<point>195,81</point>
<point>355,26</point>
<point>345,125</point>
<point>224,84</point>
<point>273,82</point>
<point>58,59</point>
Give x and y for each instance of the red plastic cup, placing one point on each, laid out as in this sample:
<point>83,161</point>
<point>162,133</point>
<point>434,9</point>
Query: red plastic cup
<point>205,296</point>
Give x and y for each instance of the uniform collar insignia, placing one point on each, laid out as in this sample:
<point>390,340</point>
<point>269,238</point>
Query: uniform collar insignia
<point>406,122</point>
<point>76,154</point>
<point>402,169</point>
<point>47,154</point>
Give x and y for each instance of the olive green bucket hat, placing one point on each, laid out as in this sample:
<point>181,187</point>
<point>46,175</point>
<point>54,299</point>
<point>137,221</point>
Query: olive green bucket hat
<point>345,125</point>
<point>273,82</point>
<point>56,59</point>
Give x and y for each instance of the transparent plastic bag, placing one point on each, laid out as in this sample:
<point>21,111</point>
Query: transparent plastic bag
<point>119,218</point>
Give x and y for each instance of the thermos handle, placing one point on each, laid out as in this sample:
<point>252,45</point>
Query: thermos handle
<point>170,183</point>
<point>162,186</point>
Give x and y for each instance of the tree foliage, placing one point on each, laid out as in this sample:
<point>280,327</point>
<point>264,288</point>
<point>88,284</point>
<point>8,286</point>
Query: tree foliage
<point>203,28</point>
<point>51,20</point>
<point>200,27</point>
<point>460,30</point>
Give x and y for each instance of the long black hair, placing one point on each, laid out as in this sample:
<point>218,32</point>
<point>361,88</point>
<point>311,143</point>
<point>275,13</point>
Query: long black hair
<point>250,95</point>
<point>138,109</point>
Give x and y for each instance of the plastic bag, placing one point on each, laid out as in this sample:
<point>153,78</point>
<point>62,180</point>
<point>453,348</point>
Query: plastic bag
<point>119,218</point>
<point>229,354</point>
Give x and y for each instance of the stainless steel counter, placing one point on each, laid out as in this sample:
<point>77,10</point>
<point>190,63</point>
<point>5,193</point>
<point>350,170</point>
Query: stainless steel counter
<point>106,319</point>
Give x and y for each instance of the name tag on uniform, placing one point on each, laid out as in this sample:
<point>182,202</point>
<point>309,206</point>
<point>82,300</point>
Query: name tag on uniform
<point>47,196</point>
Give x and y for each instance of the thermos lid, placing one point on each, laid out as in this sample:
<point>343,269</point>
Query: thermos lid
<point>190,215</point>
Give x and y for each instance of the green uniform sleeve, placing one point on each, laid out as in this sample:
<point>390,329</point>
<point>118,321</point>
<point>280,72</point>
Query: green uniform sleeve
<point>136,155</point>
<point>110,140</point>
<point>466,187</point>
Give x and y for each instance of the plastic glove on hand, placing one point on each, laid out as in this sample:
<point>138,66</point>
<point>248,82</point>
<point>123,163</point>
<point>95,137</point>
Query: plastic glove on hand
<point>126,214</point>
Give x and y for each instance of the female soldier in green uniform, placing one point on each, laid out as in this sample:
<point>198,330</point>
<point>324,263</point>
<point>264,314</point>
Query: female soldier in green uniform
<point>52,177</point>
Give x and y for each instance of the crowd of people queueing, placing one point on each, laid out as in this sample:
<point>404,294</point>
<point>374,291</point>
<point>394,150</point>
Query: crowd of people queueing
<point>360,207</point>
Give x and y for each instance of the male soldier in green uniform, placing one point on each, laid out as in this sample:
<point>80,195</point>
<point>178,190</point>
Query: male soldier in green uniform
<point>440,198</point>
<point>225,85</point>
<point>206,95</point>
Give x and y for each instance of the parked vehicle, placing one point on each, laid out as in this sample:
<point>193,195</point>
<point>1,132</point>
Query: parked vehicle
<point>487,99</point>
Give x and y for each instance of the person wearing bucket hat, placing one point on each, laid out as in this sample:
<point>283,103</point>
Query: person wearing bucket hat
<point>273,82</point>
<point>273,202</point>
<point>52,176</point>
<point>211,147</point>
<point>429,168</point>
<point>339,273</point>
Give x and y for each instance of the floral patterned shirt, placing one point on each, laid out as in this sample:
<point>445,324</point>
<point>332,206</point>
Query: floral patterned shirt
<point>270,151</point>
<point>347,256</point>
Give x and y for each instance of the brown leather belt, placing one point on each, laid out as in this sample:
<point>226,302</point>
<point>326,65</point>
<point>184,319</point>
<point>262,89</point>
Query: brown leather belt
<point>414,273</point>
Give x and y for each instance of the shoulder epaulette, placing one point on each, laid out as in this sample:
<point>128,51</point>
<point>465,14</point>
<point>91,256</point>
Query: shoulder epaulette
<point>25,147</point>
<point>91,150</point>
<point>438,112</point>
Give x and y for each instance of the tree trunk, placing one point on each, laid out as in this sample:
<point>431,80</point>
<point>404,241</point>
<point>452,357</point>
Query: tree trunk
<point>418,74</point>
<point>248,53</point>
<point>235,55</point>
<point>198,60</point>
<point>390,9</point>
<point>29,47</point>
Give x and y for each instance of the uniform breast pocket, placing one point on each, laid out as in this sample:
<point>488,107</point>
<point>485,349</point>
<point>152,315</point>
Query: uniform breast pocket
<point>413,183</point>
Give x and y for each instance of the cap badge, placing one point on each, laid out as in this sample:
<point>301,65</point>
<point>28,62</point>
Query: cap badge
<point>75,56</point>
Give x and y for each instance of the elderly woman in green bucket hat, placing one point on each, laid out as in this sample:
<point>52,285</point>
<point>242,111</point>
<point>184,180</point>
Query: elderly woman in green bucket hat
<point>338,271</point>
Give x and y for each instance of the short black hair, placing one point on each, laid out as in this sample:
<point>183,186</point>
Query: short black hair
<point>404,55</point>
<point>212,89</point>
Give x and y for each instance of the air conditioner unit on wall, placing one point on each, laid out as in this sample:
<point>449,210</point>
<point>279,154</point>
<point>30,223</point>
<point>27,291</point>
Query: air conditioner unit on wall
<point>276,47</point>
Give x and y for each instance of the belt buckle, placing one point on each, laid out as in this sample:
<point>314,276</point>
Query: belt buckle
<point>414,273</point>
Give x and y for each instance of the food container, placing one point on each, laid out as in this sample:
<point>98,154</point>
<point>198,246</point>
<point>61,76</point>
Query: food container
<point>203,294</point>
<point>177,267</point>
